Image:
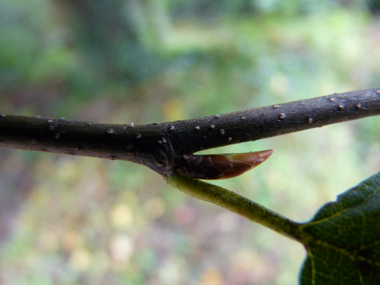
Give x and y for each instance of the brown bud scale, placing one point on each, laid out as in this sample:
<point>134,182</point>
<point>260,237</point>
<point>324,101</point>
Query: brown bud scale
<point>220,166</point>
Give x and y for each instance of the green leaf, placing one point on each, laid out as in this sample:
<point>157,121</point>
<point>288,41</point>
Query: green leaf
<point>343,239</point>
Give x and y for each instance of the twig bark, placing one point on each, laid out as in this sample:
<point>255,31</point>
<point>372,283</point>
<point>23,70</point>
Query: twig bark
<point>161,146</point>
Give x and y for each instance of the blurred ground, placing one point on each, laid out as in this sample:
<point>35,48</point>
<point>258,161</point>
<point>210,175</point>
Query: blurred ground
<point>75,220</point>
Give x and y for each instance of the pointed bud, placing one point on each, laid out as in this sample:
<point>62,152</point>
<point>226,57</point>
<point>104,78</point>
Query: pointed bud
<point>220,166</point>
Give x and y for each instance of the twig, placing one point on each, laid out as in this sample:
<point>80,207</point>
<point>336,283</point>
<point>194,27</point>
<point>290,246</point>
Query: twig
<point>161,146</point>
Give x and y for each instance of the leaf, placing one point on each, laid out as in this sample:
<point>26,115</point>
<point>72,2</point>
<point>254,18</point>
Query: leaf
<point>343,239</point>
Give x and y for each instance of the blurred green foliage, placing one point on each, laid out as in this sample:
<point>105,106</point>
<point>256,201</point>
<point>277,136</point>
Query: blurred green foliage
<point>68,220</point>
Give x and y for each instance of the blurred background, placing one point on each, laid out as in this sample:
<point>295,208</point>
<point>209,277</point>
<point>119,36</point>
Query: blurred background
<point>78,220</point>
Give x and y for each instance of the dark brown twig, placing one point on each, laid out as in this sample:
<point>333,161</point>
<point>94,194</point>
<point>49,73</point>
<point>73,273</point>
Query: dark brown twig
<point>161,146</point>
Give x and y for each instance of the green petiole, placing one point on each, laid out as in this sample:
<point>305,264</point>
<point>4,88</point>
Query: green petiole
<point>235,203</point>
